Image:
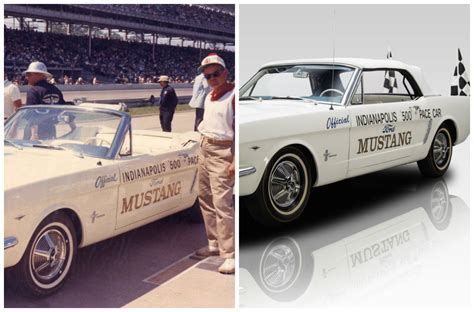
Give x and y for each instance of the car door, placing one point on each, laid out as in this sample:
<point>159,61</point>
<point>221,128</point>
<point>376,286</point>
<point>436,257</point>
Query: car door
<point>385,120</point>
<point>154,183</point>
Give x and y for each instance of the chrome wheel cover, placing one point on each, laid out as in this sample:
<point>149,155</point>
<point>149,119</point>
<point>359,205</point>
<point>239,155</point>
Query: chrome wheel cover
<point>439,203</point>
<point>49,255</point>
<point>441,149</point>
<point>285,184</point>
<point>278,267</point>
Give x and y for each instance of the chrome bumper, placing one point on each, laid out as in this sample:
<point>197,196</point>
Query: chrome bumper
<point>9,242</point>
<point>246,171</point>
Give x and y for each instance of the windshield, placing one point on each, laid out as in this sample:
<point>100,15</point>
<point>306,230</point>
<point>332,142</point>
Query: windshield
<point>87,132</point>
<point>321,83</point>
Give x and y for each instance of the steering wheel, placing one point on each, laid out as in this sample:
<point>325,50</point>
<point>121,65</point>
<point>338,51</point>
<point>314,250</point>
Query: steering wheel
<point>97,141</point>
<point>332,90</point>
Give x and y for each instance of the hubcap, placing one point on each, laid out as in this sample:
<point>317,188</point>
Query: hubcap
<point>49,255</point>
<point>279,267</point>
<point>439,204</point>
<point>441,149</point>
<point>285,184</point>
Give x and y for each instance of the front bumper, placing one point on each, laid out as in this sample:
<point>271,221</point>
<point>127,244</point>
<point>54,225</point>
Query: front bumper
<point>9,242</point>
<point>246,171</point>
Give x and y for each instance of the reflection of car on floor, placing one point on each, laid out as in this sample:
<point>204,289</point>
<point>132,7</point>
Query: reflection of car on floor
<point>322,266</point>
<point>309,123</point>
<point>78,175</point>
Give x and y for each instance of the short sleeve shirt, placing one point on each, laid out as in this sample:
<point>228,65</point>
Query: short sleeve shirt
<point>11,94</point>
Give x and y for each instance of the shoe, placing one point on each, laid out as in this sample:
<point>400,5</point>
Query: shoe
<point>228,267</point>
<point>207,252</point>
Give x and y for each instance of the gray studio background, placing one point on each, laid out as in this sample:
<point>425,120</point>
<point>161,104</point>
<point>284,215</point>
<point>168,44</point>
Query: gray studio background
<point>423,35</point>
<point>427,36</point>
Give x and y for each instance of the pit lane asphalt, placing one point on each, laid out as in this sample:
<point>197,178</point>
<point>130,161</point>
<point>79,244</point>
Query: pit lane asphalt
<point>112,273</point>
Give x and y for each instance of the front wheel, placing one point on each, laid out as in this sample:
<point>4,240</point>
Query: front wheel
<point>284,189</point>
<point>439,156</point>
<point>49,256</point>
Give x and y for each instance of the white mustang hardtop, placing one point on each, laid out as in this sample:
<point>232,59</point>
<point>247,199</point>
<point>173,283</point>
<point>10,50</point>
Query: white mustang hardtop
<point>306,123</point>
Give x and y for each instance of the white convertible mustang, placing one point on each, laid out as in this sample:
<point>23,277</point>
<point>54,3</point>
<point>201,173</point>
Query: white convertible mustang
<point>308,123</point>
<point>78,175</point>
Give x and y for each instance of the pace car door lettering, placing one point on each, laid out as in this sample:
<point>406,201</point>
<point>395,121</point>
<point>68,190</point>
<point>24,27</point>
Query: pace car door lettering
<point>389,128</point>
<point>383,131</point>
<point>143,172</point>
<point>430,113</point>
<point>152,185</point>
<point>101,181</point>
<point>385,141</point>
<point>333,122</point>
<point>375,119</point>
<point>152,196</point>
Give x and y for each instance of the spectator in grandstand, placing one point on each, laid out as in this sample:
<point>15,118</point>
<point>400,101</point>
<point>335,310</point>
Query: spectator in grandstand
<point>216,164</point>
<point>114,60</point>
<point>168,102</point>
<point>67,80</point>
<point>11,98</point>
<point>41,92</point>
<point>200,91</point>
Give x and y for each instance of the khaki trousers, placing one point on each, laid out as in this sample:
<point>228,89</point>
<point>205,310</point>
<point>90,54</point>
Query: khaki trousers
<point>216,196</point>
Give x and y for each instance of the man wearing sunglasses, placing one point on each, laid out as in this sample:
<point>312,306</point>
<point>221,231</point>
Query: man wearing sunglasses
<point>217,167</point>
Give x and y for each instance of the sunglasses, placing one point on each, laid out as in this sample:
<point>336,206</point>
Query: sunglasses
<point>215,74</point>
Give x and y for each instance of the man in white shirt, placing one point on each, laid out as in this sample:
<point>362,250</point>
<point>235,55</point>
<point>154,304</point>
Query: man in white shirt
<point>217,164</point>
<point>12,98</point>
<point>200,91</point>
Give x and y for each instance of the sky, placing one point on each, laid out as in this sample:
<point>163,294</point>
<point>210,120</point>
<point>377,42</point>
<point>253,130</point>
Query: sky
<point>427,36</point>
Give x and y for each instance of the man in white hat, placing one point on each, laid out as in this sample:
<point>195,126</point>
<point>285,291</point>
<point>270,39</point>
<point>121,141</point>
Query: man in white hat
<point>41,92</point>
<point>217,166</point>
<point>168,102</point>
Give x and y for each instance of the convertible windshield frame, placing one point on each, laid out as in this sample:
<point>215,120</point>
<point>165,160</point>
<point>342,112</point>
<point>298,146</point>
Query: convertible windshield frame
<point>356,71</point>
<point>121,130</point>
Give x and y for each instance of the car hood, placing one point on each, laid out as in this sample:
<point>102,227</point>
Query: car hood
<point>251,111</point>
<point>33,165</point>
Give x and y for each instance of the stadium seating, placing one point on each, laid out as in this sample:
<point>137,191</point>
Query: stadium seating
<point>113,60</point>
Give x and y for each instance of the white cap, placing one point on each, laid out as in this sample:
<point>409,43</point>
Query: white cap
<point>164,78</point>
<point>212,58</point>
<point>38,67</point>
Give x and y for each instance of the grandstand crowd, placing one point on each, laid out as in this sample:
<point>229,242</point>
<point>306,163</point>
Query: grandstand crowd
<point>111,60</point>
<point>184,13</point>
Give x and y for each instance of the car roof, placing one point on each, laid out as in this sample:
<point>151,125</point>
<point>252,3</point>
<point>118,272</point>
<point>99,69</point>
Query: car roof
<point>353,62</point>
<point>363,63</point>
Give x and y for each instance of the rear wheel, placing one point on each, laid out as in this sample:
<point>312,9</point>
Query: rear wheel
<point>48,258</point>
<point>439,156</point>
<point>284,189</point>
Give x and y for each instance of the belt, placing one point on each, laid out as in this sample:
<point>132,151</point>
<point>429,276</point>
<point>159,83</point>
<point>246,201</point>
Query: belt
<point>217,142</point>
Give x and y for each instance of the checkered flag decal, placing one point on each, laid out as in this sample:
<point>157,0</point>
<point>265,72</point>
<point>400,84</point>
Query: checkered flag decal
<point>390,82</point>
<point>460,84</point>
